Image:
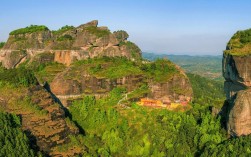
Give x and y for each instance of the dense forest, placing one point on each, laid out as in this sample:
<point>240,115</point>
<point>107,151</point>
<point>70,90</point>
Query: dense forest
<point>109,129</point>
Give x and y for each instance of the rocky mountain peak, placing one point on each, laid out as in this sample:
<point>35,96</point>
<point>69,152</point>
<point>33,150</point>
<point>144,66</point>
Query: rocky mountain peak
<point>91,23</point>
<point>68,44</point>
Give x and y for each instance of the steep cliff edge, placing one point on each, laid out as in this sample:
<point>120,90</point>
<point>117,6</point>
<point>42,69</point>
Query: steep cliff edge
<point>237,74</point>
<point>68,44</point>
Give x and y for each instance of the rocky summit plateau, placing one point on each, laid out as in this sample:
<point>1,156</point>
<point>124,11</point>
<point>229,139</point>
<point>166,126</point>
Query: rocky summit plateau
<point>237,74</point>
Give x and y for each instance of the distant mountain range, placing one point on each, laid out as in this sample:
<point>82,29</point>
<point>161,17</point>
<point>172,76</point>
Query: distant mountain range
<point>204,65</point>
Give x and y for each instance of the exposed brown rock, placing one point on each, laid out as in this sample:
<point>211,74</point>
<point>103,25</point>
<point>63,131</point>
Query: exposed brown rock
<point>174,88</point>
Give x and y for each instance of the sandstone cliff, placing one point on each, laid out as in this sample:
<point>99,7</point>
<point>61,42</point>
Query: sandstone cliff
<point>68,44</point>
<point>237,74</point>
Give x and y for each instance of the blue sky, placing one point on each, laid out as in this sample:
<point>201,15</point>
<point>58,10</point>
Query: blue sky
<point>162,26</point>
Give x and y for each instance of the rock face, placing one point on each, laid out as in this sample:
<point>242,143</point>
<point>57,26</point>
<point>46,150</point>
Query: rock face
<point>68,44</point>
<point>237,74</point>
<point>175,88</point>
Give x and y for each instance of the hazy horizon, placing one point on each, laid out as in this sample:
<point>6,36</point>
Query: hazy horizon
<point>196,27</point>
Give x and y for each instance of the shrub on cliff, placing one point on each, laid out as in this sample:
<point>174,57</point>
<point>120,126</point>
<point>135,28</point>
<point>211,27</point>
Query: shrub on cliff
<point>240,43</point>
<point>97,31</point>
<point>18,76</point>
<point>29,29</point>
<point>63,29</point>
<point>160,70</point>
<point>2,44</point>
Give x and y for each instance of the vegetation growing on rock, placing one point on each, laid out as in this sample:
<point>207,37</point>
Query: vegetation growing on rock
<point>29,29</point>
<point>1,44</point>
<point>99,32</point>
<point>18,76</point>
<point>63,29</point>
<point>240,43</point>
<point>161,70</point>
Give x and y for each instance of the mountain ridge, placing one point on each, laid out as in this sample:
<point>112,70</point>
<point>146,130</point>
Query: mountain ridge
<point>68,44</point>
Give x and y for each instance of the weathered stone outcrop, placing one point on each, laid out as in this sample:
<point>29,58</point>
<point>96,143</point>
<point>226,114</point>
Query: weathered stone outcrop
<point>237,74</point>
<point>71,44</point>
